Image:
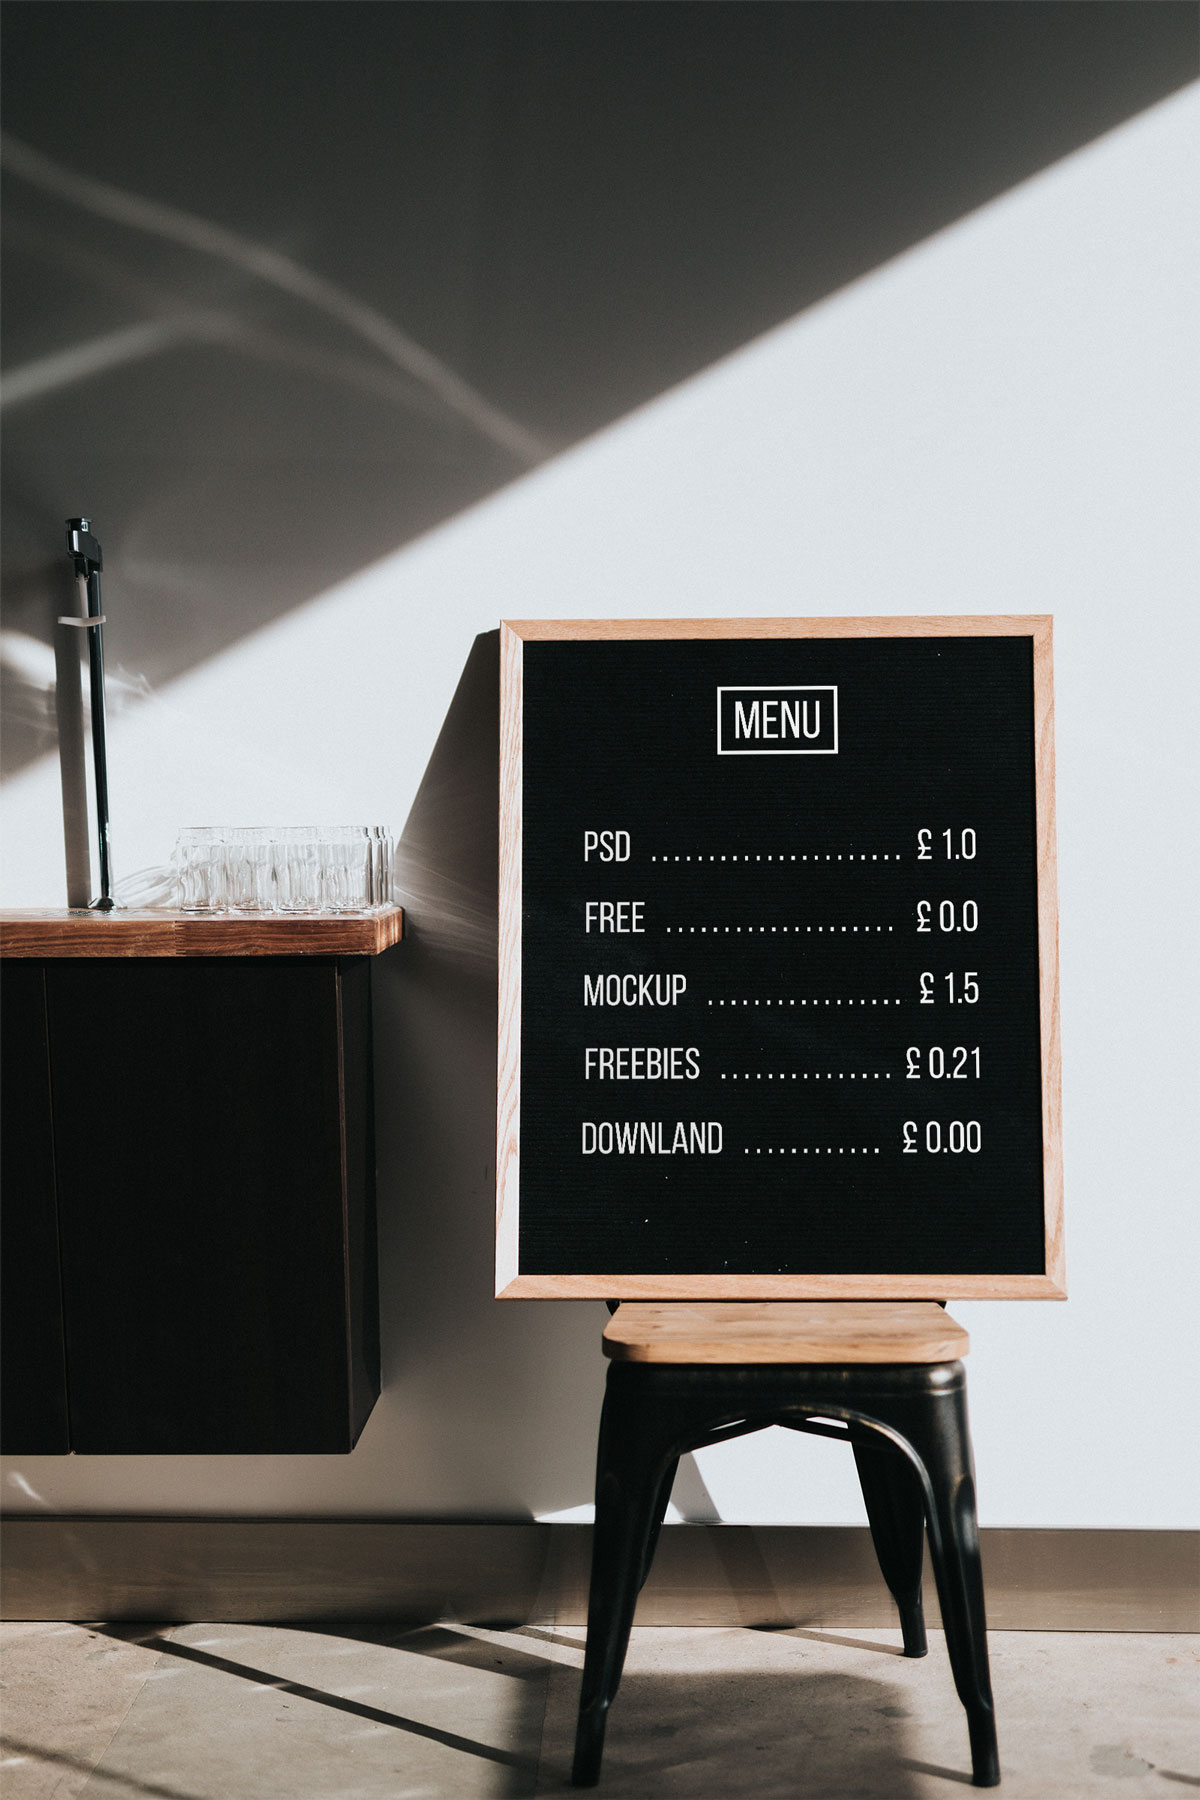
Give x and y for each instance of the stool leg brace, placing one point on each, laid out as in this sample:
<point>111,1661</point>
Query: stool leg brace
<point>908,1426</point>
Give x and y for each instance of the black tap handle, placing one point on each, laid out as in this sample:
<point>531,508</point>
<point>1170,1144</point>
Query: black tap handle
<point>83,546</point>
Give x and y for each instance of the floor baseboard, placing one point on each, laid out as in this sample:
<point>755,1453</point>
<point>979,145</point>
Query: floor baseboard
<point>778,1576</point>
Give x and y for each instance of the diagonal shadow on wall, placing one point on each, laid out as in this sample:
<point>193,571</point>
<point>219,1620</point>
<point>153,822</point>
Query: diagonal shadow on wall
<point>218,245</point>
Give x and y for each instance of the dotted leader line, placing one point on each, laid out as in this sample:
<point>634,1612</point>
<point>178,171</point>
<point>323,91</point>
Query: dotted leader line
<point>815,1150</point>
<point>805,1003</point>
<point>800,856</point>
<point>803,1075</point>
<point>717,930</point>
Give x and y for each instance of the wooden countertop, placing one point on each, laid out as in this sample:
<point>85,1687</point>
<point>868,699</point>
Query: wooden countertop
<point>158,932</point>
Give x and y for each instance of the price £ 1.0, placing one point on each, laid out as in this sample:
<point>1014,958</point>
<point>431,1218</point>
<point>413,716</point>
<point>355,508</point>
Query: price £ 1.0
<point>955,845</point>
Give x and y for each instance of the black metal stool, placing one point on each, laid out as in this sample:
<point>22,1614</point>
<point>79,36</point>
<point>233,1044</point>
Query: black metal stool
<point>886,1377</point>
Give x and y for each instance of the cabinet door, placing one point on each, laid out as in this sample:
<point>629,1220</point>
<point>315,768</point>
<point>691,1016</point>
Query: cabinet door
<point>33,1388</point>
<point>211,1234</point>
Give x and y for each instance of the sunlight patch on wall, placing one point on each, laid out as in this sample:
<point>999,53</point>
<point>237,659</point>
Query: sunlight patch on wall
<point>978,427</point>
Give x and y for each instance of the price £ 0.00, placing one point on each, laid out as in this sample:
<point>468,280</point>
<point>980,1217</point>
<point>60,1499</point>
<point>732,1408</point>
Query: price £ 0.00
<point>955,1137</point>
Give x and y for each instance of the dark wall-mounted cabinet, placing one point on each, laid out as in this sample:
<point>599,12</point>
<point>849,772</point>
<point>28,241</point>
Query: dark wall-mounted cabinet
<point>189,1208</point>
<point>33,1377</point>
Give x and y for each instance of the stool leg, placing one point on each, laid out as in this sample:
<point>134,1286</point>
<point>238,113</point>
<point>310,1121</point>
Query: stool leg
<point>661,1502</point>
<point>937,1430</point>
<point>895,1504</point>
<point>633,1464</point>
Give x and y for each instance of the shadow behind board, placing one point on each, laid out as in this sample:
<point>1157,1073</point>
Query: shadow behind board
<point>778,960</point>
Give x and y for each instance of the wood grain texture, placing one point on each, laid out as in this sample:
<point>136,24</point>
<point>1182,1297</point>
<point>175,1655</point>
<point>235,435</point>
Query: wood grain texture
<point>508,1090</point>
<point>1047,887</point>
<point>510,1282</point>
<point>849,1331</point>
<point>161,933</point>
<point>966,625</point>
<point>781,1287</point>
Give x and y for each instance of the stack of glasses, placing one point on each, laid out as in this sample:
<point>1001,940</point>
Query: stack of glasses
<point>293,868</point>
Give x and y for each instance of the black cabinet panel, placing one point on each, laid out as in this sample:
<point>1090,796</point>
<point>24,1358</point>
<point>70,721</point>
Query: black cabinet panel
<point>33,1387</point>
<point>358,1136</point>
<point>216,1202</point>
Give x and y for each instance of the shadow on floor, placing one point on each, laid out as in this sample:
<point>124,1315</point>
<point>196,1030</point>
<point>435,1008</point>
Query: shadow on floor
<point>709,1736</point>
<point>445,1644</point>
<point>37,1755</point>
<point>701,1733</point>
<point>834,1637</point>
<point>338,1702</point>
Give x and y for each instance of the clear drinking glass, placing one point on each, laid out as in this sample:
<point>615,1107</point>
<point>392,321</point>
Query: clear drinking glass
<point>290,868</point>
<point>381,867</point>
<point>199,864</point>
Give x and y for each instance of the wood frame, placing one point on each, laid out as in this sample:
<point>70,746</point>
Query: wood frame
<point>510,1283</point>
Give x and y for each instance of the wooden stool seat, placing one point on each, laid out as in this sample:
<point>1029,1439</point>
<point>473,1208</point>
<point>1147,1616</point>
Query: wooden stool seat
<point>789,1331</point>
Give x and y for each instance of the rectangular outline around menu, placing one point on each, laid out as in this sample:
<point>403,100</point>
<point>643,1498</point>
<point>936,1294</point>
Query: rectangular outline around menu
<point>770,687</point>
<point>511,1284</point>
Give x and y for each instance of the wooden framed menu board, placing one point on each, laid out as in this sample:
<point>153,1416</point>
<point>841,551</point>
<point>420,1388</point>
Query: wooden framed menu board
<point>778,960</point>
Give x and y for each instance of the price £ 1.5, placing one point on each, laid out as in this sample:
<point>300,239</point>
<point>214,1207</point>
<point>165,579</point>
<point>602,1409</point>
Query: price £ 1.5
<point>958,1064</point>
<point>959,989</point>
<point>953,1138</point>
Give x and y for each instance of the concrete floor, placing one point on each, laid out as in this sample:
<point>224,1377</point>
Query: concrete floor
<point>453,1712</point>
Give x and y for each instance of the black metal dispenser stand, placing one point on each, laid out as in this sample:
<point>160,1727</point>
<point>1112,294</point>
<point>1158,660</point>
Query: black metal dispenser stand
<point>84,550</point>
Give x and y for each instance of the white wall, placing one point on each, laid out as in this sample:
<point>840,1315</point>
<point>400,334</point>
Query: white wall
<point>1003,420</point>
